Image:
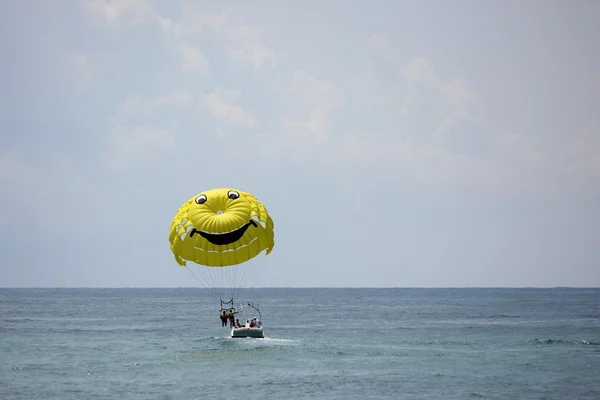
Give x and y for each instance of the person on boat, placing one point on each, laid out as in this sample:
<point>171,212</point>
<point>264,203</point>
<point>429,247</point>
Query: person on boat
<point>232,317</point>
<point>237,323</point>
<point>253,323</point>
<point>223,318</point>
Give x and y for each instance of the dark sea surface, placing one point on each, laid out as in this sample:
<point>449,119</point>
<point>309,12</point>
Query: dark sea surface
<point>320,343</point>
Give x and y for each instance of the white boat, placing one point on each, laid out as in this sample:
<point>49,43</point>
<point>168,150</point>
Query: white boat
<point>252,328</point>
<point>247,332</point>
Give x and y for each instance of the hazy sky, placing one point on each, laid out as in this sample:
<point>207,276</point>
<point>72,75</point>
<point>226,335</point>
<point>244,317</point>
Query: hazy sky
<point>395,143</point>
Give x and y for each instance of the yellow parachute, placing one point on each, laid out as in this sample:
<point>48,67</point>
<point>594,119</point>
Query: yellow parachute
<point>220,229</point>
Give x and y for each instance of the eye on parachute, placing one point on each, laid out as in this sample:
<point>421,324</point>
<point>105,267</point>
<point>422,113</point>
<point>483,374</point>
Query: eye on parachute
<point>221,230</point>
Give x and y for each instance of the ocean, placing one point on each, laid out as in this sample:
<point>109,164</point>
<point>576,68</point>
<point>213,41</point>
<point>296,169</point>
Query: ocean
<point>320,344</point>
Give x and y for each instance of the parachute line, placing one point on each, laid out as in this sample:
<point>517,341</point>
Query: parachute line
<point>223,283</point>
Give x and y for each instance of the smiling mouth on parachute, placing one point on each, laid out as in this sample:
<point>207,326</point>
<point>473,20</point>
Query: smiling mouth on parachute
<point>221,239</point>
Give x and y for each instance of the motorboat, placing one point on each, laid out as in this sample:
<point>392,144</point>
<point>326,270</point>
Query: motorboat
<point>244,332</point>
<point>252,327</point>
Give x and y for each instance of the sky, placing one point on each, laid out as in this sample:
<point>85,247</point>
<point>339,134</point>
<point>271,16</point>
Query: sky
<point>394,143</point>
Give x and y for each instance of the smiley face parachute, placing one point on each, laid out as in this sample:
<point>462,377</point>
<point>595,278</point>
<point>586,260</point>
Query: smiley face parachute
<point>221,231</point>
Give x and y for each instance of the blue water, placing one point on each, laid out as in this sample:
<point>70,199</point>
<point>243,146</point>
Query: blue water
<point>320,343</point>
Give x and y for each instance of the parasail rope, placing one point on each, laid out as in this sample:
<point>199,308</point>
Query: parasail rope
<point>224,282</point>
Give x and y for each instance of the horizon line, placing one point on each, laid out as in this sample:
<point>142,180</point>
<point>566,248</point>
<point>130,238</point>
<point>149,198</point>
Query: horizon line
<point>304,287</point>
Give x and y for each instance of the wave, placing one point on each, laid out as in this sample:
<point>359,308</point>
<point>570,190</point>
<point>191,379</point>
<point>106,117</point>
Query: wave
<point>437,342</point>
<point>493,316</point>
<point>561,341</point>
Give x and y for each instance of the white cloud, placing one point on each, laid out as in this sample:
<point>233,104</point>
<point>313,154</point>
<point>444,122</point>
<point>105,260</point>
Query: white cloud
<point>444,108</point>
<point>190,23</point>
<point>420,72</point>
<point>120,12</point>
<point>448,122</point>
<point>193,59</point>
<point>322,97</point>
<point>242,42</point>
<point>254,53</point>
<point>140,105</point>
<point>220,103</point>
<point>183,32</point>
<point>139,144</point>
<point>245,43</point>
<point>133,141</point>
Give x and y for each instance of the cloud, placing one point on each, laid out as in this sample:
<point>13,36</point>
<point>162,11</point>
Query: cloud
<point>139,144</point>
<point>463,135</point>
<point>220,103</point>
<point>240,41</point>
<point>420,118</point>
<point>320,97</point>
<point>460,147</point>
<point>419,76</point>
<point>115,13</point>
<point>435,129</point>
<point>254,53</point>
<point>193,59</point>
<point>419,72</point>
<point>138,133</point>
<point>434,139</point>
<point>136,104</point>
<point>245,43</point>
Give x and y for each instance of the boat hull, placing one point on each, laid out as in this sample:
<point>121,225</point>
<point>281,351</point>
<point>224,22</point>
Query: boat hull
<point>247,333</point>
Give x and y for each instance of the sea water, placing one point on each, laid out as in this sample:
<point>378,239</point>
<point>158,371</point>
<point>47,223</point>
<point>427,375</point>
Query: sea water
<point>320,343</point>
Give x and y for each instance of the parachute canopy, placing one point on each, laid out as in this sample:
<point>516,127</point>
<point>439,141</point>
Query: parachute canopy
<point>220,228</point>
